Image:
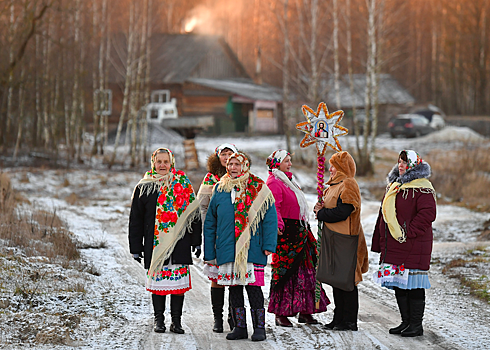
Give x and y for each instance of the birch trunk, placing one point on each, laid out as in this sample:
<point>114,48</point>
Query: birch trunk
<point>47,72</point>
<point>145,142</point>
<point>336,53</point>
<point>127,83</point>
<point>10,92</point>
<point>21,114</point>
<point>75,92</point>
<point>96,99</point>
<point>285,76</point>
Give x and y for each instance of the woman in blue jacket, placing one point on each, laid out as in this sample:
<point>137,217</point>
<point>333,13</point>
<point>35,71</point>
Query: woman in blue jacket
<point>240,230</point>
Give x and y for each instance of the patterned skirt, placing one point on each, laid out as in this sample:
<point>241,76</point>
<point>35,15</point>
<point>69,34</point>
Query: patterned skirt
<point>211,271</point>
<point>294,274</point>
<point>228,277</point>
<point>390,276</point>
<point>173,279</point>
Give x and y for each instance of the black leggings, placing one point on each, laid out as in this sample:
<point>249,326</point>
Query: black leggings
<point>255,297</point>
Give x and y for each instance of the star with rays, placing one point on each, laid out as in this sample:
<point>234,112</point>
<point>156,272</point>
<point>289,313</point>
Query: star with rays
<point>322,128</point>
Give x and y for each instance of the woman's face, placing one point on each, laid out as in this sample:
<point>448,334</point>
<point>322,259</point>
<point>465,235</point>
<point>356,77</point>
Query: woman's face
<point>332,170</point>
<point>402,166</point>
<point>224,155</point>
<point>234,168</point>
<point>162,163</point>
<point>286,164</point>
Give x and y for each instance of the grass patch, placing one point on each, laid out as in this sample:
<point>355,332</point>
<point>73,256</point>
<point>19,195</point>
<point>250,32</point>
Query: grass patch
<point>464,180</point>
<point>471,270</point>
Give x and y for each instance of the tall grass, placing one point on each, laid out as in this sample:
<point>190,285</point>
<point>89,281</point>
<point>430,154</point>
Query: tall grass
<point>36,232</point>
<point>463,176</point>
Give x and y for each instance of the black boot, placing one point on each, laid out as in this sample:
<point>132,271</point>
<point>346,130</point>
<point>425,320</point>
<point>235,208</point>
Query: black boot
<point>240,330</point>
<point>417,307</point>
<point>231,319</point>
<point>158,310</point>
<point>404,307</point>
<point>217,301</point>
<point>258,320</point>
<point>176,303</point>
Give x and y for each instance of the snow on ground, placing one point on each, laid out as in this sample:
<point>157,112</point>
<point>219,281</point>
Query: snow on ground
<point>115,310</point>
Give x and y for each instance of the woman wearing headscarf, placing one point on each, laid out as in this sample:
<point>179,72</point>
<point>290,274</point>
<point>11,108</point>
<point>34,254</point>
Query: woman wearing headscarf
<point>240,231</point>
<point>294,263</point>
<point>164,225</point>
<point>341,212</point>
<point>403,236</point>
<point>216,169</point>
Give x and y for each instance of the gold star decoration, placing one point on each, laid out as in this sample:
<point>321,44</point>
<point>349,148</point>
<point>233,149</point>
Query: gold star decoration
<point>322,128</point>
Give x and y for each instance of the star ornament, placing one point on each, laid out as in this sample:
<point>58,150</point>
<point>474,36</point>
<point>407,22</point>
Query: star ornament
<point>322,128</point>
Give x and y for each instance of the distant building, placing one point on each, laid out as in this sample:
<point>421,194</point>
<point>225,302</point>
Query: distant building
<point>206,78</point>
<point>392,98</point>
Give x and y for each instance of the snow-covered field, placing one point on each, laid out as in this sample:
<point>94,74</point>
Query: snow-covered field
<point>114,310</point>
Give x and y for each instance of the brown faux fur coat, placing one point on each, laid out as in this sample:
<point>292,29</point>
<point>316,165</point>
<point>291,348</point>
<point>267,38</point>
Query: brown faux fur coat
<point>350,194</point>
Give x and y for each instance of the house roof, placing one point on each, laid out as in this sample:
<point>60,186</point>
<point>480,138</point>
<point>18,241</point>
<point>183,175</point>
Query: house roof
<point>241,87</point>
<point>176,57</point>
<point>389,91</point>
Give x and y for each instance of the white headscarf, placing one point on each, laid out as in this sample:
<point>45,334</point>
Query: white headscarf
<point>273,162</point>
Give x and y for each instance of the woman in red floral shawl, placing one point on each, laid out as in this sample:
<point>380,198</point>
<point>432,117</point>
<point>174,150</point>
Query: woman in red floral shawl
<point>293,265</point>
<point>164,224</point>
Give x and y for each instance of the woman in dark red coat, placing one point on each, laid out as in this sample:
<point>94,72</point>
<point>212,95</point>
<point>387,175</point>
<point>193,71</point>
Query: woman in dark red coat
<point>403,236</point>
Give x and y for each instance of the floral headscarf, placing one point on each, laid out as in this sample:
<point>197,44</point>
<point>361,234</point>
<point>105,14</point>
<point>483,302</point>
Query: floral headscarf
<point>152,181</point>
<point>276,158</point>
<point>413,158</point>
<point>251,200</point>
<point>176,210</point>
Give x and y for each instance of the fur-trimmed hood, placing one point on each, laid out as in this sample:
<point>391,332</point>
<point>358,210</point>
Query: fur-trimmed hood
<point>214,166</point>
<point>420,171</point>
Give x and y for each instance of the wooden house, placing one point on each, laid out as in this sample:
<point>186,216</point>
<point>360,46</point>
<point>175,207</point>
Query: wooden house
<point>206,78</point>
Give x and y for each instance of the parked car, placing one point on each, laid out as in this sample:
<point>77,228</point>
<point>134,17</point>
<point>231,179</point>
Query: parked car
<point>409,125</point>
<point>436,120</point>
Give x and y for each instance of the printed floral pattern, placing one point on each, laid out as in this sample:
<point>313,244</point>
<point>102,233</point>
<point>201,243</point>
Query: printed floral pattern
<point>391,270</point>
<point>171,203</point>
<point>170,274</point>
<point>210,179</point>
<point>244,202</point>
<point>289,249</point>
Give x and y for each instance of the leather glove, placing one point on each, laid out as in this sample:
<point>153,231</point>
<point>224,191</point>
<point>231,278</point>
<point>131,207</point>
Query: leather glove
<point>137,257</point>
<point>196,250</point>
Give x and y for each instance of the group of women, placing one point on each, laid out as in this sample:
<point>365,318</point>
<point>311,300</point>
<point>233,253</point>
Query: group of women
<point>244,220</point>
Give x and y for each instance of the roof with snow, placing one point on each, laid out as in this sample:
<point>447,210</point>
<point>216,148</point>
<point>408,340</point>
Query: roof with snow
<point>177,57</point>
<point>241,87</point>
<point>390,91</point>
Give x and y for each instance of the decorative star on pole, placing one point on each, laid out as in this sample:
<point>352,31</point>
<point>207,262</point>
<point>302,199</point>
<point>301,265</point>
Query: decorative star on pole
<point>322,128</point>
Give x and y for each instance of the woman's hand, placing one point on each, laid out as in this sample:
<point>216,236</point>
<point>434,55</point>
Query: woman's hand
<point>266,252</point>
<point>317,207</point>
<point>279,232</point>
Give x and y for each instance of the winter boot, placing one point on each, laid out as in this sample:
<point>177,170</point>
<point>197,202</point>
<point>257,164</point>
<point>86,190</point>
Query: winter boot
<point>158,309</point>
<point>306,318</point>
<point>176,303</point>
<point>404,307</point>
<point>258,320</point>
<point>283,321</point>
<point>415,329</point>
<point>231,319</point>
<point>217,301</point>
<point>240,330</point>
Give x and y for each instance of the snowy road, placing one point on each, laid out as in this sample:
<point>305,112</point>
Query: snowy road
<point>452,320</point>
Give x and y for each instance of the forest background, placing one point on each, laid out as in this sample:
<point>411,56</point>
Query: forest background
<point>56,54</point>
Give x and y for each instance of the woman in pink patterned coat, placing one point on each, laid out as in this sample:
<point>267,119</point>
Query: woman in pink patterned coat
<point>293,264</point>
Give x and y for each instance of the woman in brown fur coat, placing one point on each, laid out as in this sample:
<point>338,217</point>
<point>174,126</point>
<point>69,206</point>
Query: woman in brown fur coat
<point>341,212</point>
<point>216,169</point>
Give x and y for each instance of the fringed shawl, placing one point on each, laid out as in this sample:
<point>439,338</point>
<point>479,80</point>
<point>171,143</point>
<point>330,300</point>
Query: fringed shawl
<point>252,199</point>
